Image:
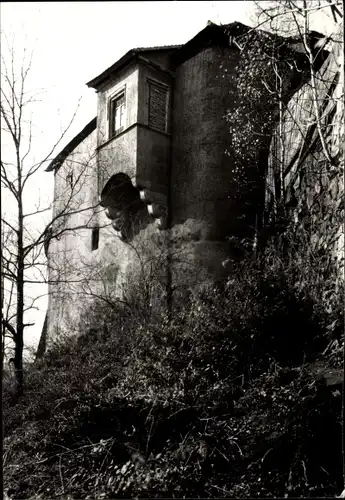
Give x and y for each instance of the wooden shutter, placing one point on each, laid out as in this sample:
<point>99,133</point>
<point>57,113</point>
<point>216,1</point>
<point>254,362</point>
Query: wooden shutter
<point>158,106</point>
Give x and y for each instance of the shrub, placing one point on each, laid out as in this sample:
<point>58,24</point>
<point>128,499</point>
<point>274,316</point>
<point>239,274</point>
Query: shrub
<point>219,400</point>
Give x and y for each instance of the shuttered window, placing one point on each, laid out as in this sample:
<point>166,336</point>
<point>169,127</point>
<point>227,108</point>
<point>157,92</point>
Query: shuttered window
<point>158,106</point>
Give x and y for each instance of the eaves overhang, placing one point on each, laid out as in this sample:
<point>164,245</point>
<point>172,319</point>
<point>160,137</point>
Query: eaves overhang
<point>61,157</point>
<point>126,59</point>
<point>211,36</point>
<point>234,34</point>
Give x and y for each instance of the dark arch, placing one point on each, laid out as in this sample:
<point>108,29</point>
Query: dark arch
<point>124,206</point>
<point>120,193</point>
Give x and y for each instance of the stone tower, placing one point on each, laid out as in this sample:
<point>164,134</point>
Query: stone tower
<point>158,158</point>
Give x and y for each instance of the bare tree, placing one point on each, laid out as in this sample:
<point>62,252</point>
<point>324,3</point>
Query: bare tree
<point>316,100</point>
<point>307,157</point>
<point>25,235</point>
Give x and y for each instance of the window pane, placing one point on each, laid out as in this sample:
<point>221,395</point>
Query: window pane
<point>95,238</point>
<point>117,114</point>
<point>120,101</point>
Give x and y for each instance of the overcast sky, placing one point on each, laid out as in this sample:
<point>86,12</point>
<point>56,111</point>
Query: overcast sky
<point>72,42</point>
<point>75,41</point>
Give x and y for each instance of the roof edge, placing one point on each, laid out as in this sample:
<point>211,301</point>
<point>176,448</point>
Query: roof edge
<point>212,35</point>
<point>128,57</point>
<point>61,157</point>
<point>95,82</point>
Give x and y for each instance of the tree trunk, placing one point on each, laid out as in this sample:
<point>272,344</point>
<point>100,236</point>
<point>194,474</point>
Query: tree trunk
<point>19,341</point>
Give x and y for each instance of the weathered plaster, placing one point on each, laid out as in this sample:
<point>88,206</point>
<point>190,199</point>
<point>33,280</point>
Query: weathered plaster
<point>184,178</point>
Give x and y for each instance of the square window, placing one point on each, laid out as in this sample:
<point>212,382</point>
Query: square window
<point>69,179</point>
<point>117,114</point>
<point>95,238</point>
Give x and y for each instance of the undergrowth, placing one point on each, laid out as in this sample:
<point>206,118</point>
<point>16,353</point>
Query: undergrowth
<point>220,400</point>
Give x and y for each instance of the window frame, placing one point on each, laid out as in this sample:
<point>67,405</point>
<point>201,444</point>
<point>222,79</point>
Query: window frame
<point>70,179</point>
<point>94,238</point>
<point>119,94</point>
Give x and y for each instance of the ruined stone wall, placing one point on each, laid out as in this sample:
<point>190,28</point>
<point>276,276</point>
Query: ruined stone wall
<point>79,273</point>
<point>200,194</point>
<point>217,191</point>
<point>202,208</point>
<point>313,169</point>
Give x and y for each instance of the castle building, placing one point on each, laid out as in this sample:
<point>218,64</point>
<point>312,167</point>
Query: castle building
<point>148,186</point>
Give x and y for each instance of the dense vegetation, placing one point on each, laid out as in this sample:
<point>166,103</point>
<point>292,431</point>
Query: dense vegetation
<point>231,397</point>
<point>237,393</point>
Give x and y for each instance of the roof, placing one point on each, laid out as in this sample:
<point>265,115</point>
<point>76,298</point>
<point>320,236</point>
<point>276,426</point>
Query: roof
<point>129,56</point>
<point>212,35</point>
<point>157,47</point>
<point>61,157</point>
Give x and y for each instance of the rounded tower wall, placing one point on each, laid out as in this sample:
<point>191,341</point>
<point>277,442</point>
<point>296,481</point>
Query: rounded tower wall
<point>201,169</point>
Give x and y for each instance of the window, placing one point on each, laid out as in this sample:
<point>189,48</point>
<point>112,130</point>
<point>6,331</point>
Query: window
<point>95,238</point>
<point>117,114</point>
<point>69,179</point>
<point>158,106</point>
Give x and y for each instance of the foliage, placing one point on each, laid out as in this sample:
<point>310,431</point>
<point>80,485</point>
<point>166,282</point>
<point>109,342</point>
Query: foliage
<point>168,408</point>
<point>263,76</point>
<point>224,398</point>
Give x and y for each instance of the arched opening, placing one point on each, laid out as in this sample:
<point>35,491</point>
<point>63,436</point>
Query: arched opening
<point>123,205</point>
<point>120,193</point>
